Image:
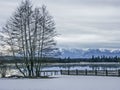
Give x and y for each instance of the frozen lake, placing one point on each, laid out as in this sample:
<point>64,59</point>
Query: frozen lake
<point>83,66</point>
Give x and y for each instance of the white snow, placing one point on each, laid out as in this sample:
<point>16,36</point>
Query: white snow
<point>62,83</point>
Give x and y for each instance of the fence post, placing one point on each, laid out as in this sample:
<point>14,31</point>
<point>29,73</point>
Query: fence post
<point>61,72</point>
<point>106,72</point>
<point>44,73</point>
<point>86,72</point>
<point>68,72</point>
<point>55,73</point>
<point>119,73</point>
<point>96,72</point>
<point>76,72</point>
<point>51,73</point>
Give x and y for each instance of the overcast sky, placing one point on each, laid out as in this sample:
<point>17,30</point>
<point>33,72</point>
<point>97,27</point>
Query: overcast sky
<point>79,23</point>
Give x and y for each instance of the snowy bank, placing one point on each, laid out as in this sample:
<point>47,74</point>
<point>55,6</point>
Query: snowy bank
<point>62,83</point>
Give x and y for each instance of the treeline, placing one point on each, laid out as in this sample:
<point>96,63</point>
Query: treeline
<point>65,60</point>
<point>93,59</point>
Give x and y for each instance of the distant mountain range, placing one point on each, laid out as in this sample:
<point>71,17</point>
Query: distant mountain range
<point>88,53</point>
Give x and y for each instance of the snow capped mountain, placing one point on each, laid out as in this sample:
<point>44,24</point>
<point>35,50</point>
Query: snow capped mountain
<point>88,53</point>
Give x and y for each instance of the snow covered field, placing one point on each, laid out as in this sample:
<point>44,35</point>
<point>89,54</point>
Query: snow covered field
<point>62,83</point>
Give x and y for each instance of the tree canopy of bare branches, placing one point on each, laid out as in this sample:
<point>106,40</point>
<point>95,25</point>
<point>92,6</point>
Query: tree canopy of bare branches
<point>29,33</point>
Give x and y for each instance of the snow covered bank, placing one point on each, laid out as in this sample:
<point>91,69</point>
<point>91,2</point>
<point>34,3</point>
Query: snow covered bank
<point>62,83</point>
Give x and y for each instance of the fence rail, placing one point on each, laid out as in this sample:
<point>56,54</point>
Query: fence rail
<point>83,72</point>
<point>91,72</point>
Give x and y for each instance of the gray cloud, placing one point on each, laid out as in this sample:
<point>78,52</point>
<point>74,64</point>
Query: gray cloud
<point>80,23</point>
<point>88,2</point>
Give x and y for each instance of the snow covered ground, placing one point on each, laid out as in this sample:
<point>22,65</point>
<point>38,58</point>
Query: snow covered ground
<point>62,83</point>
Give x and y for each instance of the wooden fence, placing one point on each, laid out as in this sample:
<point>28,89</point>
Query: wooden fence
<point>50,72</point>
<point>82,72</point>
<point>91,72</point>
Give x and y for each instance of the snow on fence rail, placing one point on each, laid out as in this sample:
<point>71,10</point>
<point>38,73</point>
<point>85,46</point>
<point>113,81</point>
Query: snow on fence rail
<point>82,72</point>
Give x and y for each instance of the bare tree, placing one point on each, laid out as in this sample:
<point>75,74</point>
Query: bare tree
<point>29,34</point>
